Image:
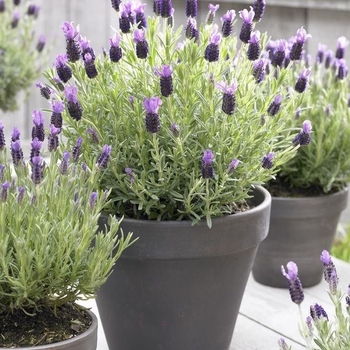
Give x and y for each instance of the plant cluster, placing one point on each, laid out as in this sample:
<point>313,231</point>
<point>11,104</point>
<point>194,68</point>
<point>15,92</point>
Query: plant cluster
<point>193,116</point>
<point>50,252</point>
<point>319,332</point>
<point>21,51</point>
<point>325,163</point>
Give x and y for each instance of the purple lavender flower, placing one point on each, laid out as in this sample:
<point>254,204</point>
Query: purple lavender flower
<point>227,23</point>
<point>267,161</point>
<point>141,43</point>
<point>152,119</point>
<point>103,159</point>
<point>303,138</point>
<point>211,53</point>
<point>329,271</point>
<point>38,166</point>
<point>2,136</point>
<point>175,129</point>
<point>72,46</point>
<point>279,53</point>
<point>16,2</point>
<point>2,6</point>
<point>130,174</point>
<point>76,152</point>
<point>85,48</point>
<point>275,105</point>
<point>282,344</point>
<point>259,70</point>
<point>93,135</point>
<point>17,153</point>
<point>317,312</point>
<point>253,52</point>
<point>74,108</point>
<point>342,44</point>
<point>56,116</point>
<point>247,25</point>
<point>115,51</point>
<point>38,125</point>
<point>126,18</point>
<point>165,8</point>
<point>41,43</point>
<point>4,190</point>
<point>15,19</point>
<point>329,56</point>
<point>63,70</point>
<point>93,200</point>
<point>211,14</point>
<point>170,20</point>
<point>21,191</point>
<point>191,31</point>
<point>342,68</point>
<point>347,299</point>
<point>229,99</point>
<point>166,80</point>
<point>45,91</point>
<point>302,81</point>
<point>233,166</point>
<point>116,4</point>
<point>33,10</point>
<point>141,21</point>
<point>294,284</point>
<point>259,10</point>
<point>52,139</point>
<point>191,8</point>
<point>157,4</point>
<point>36,147</point>
<point>65,163</point>
<point>321,53</point>
<point>15,135</point>
<point>90,67</point>
<point>298,44</point>
<point>207,164</point>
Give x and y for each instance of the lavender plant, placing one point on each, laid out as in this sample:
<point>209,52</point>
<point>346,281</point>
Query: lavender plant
<point>22,52</point>
<point>50,253</point>
<point>191,120</point>
<point>324,165</point>
<point>318,330</point>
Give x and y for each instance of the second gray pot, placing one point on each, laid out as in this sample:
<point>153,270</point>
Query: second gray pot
<point>300,229</point>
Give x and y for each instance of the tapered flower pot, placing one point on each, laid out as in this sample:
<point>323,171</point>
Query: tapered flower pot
<point>180,286</point>
<point>300,229</point>
<point>84,341</point>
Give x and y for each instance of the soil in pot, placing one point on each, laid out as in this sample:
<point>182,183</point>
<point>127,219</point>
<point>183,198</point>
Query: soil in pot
<point>18,329</point>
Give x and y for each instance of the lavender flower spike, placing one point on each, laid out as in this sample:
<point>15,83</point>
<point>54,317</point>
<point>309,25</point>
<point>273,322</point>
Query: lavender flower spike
<point>15,19</point>
<point>74,108</point>
<point>191,8</point>
<point>65,163</point>
<point>211,14</point>
<point>247,25</point>
<point>259,9</point>
<point>227,23</point>
<point>63,70</point>
<point>2,137</point>
<point>317,312</point>
<point>294,284</point>
<point>207,164</point>
<point>56,116</point>
<point>90,68</point>
<point>141,43</point>
<point>45,91</point>
<point>191,31</point>
<point>303,138</point>
<point>38,125</point>
<point>229,99</point>
<point>275,105</point>
<point>15,135</point>
<point>17,153</point>
<point>41,43</point>
<point>53,141</point>
<point>152,119</point>
<point>115,51</point>
<point>140,16</point>
<point>72,47</point>
<point>77,149</point>
<point>93,199</point>
<point>298,44</point>
<point>282,344</point>
<point>267,161</point>
<point>211,53</point>
<point>342,68</point>
<point>302,81</point>
<point>342,44</point>
<point>130,174</point>
<point>38,166</point>
<point>166,80</point>
<point>36,147</point>
<point>259,70</point>
<point>165,8</point>
<point>279,53</point>
<point>233,166</point>
<point>329,271</point>
<point>103,159</point>
<point>4,190</point>
<point>253,52</point>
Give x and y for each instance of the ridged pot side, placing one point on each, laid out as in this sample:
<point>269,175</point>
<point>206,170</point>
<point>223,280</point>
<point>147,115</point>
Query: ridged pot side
<point>84,341</point>
<point>300,229</point>
<point>180,286</point>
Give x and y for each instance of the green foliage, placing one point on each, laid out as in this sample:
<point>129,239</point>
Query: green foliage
<point>20,61</point>
<point>325,162</point>
<point>341,246</point>
<point>50,251</point>
<point>167,182</point>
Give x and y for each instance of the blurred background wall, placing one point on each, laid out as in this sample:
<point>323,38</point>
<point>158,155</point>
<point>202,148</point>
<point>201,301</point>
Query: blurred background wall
<point>325,20</point>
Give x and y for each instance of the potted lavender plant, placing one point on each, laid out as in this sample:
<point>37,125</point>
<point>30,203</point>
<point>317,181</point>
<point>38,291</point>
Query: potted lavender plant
<point>50,254</point>
<point>21,53</point>
<point>318,330</point>
<point>191,127</point>
<point>311,190</point>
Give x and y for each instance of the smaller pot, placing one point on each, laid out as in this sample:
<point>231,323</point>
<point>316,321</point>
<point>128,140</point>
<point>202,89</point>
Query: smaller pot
<point>84,341</point>
<point>300,229</point>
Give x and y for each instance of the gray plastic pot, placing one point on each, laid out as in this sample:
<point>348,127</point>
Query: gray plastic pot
<point>84,341</point>
<point>179,287</point>
<point>300,229</point>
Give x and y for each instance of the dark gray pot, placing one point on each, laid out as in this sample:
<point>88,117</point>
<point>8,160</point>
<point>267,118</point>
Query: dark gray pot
<point>300,229</point>
<point>179,287</point>
<point>85,341</point>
